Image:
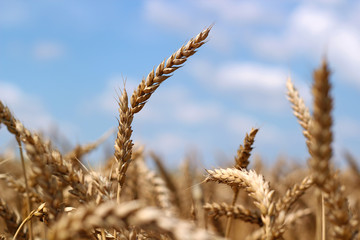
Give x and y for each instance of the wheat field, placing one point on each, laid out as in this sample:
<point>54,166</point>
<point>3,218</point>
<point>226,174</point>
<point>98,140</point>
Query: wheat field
<point>48,194</point>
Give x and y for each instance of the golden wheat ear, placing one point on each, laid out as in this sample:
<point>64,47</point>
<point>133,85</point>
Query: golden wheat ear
<point>123,143</point>
<point>321,152</point>
<point>164,70</point>
<point>300,110</point>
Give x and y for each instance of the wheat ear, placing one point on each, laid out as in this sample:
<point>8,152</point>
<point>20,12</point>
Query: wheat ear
<point>164,70</point>
<point>123,143</point>
<point>158,188</point>
<point>244,151</point>
<point>238,212</point>
<point>241,162</point>
<point>321,152</point>
<point>166,175</point>
<point>300,110</point>
<point>116,216</point>
<point>255,186</point>
<point>293,194</point>
<point>10,122</point>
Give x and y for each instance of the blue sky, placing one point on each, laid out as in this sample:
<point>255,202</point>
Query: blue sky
<point>63,62</point>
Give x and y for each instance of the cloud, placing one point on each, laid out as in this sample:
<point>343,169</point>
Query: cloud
<point>312,32</point>
<point>260,86</point>
<point>168,15</point>
<point>28,109</point>
<point>13,14</point>
<point>48,51</point>
<point>167,143</point>
<point>344,54</point>
<point>240,75</point>
<point>233,11</point>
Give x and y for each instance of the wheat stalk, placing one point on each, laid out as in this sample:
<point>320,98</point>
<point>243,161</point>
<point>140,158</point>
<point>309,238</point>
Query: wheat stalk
<point>123,143</point>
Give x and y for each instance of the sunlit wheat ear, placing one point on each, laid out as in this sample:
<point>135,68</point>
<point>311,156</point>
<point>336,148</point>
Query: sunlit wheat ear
<point>241,162</point>
<point>164,70</point>
<point>300,110</point>
<point>244,151</point>
<point>320,128</point>
<point>256,187</point>
<point>237,212</point>
<point>293,194</point>
<point>118,216</point>
<point>123,143</point>
<point>321,152</point>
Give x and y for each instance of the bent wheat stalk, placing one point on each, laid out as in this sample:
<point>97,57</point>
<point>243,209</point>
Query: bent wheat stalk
<point>123,143</point>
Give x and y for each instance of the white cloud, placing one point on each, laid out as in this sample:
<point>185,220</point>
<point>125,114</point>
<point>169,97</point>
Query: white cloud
<point>169,15</point>
<point>13,13</point>
<point>166,143</point>
<point>347,128</point>
<point>312,21</point>
<point>233,11</point>
<point>28,109</point>
<point>314,31</point>
<point>48,51</point>
<point>240,124</point>
<point>258,85</point>
<point>344,54</point>
<point>238,75</point>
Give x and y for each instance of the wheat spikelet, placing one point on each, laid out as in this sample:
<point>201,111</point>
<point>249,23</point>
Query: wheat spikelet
<point>40,212</point>
<point>237,212</point>
<point>8,119</point>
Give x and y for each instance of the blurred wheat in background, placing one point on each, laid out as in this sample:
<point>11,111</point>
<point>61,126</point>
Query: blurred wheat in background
<point>52,194</point>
